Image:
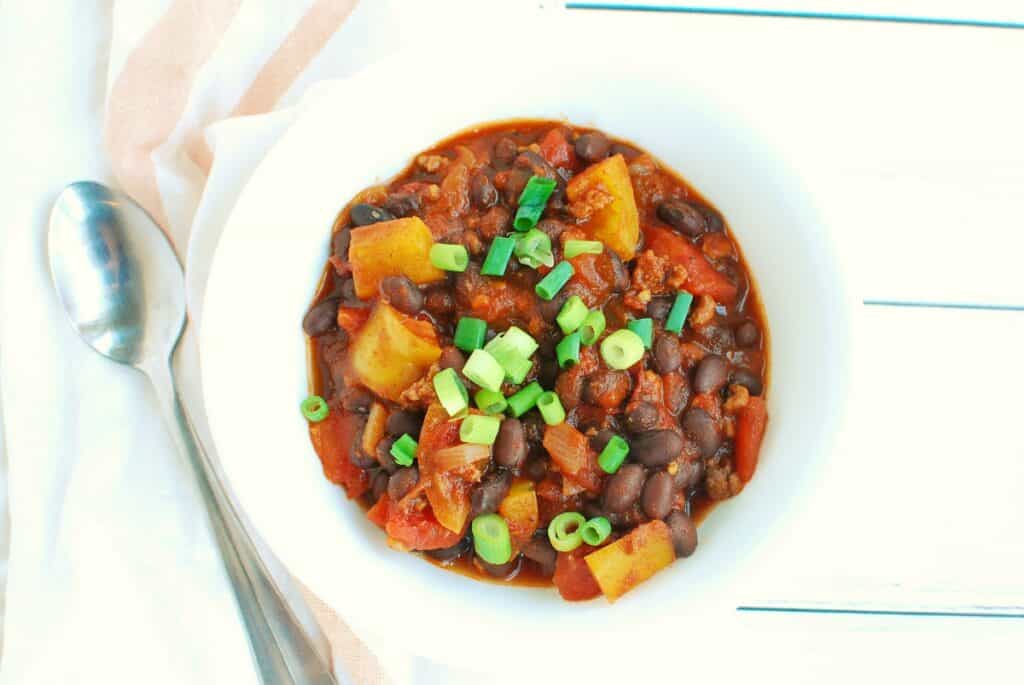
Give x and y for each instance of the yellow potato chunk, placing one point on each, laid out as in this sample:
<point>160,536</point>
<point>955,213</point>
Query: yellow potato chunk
<point>400,247</point>
<point>604,193</point>
<point>631,559</point>
<point>519,509</point>
<point>387,356</point>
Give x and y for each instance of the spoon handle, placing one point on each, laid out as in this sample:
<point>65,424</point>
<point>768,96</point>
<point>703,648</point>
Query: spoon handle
<point>281,649</point>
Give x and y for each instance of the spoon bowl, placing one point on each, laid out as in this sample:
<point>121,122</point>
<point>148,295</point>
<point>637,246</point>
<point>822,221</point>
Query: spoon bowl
<point>116,274</point>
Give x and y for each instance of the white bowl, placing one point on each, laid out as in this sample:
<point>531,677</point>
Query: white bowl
<point>363,131</point>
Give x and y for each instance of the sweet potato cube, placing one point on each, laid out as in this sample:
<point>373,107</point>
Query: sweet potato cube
<point>519,509</point>
<point>632,559</point>
<point>388,355</point>
<point>616,223</point>
<point>400,247</point>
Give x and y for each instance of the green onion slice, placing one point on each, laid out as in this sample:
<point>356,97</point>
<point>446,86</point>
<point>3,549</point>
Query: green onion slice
<point>532,202</point>
<point>525,400</point>
<point>314,408</point>
<point>568,350</point>
<point>574,248</point>
<point>643,328</point>
<point>484,370</point>
<point>533,249</point>
<point>479,430</point>
<point>451,393</point>
<point>551,409</point>
<point>470,333</point>
<point>596,530</point>
<point>404,450</point>
<point>497,257</point>
<point>593,327</point>
<point>622,349</point>
<point>572,315</point>
<point>490,402</point>
<point>449,257</point>
<point>491,539</point>
<point>564,531</point>
<point>556,279</point>
<point>613,454</point>
<point>516,339</point>
<point>677,315</point>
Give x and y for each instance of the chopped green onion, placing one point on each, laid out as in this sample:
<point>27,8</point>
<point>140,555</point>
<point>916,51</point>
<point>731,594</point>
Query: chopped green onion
<point>643,328</point>
<point>622,349</point>
<point>524,400</point>
<point>613,454</point>
<point>564,531</point>
<point>404,450</point>
<point>532,201</point>
<point>551,408</point>
<point>515,339</point>
<point>574,311</point>
<point>484,370</point>
<point>596,530</point>
<point>491,539</point>
<point>490,402</point>
<point>497,257</point>
<point>449,257</point>
<point>533,249</point>
<point>677,315</point>
<point>515,365</point>
<point>314,408</point>
<point>451,393</point>
<point>554,281</point>
<point>593,327</point>
<point>568,350</point>
<point>470,333</point>
<point>479,430</point>
<point>574,248</point>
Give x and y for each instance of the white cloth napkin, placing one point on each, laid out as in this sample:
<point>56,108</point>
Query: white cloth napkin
<point>113,576</point>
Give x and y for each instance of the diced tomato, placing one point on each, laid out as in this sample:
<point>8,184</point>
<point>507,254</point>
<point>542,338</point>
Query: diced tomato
<point>570,451</point>
<point>572,576</point>
<point>413,525</point>
<point>556,150</point>
<point>378,513</point>
<point>448,487</point>
<point>749,432</point>
<point>596,274</point>
<point>352,318</point>
<point>550,500</point>
<point>333,439</point>
<point>438,430</point>
<point>701,279</point>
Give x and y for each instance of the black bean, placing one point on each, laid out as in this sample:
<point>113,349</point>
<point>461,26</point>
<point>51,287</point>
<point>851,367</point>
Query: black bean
<point>400,422</point>
<point>514,184</point>
<point>340,242</point>
<point>510,445</point>
<point>677,393</point>
<point>356,455</point>
<point>593,147</point>
<point>689,474</point>
<point>659,307</point>
<point>402,481</point>
<point>548,372</point>
<point>607,388</point>
<point>449,554</point>
<point>712,217</point>
<point>683,216</point>
<point>537,165</point>
<point>452,358</point>
<point>548,309</point>
<point>601,439</point>
<point>666,354</point>
<point>684,534</point>
<point>552,228</point>
<point>321,318</point>
<point>747,334</point>
<point>482,191</point>
<point>402,294</point>
<point>488,494</point>
<point>656,499</point>
<point>699,425</point>
<point>439,302</point>
<point>384,457</point>
<point>402,204</point>
<point>348,291</point>
<point>539,551</point>
<point>364,214</point>
<point>620,282</point>
<point>357,400</point>
<point>711,375</point>
<point>505,151</point>
<point>748,379</point>
<point>656,448</point>
<point>643,417</point>
<point>535,469</point>
<point>503,571</point>
<point>623,488</point>
<point>379,484</point>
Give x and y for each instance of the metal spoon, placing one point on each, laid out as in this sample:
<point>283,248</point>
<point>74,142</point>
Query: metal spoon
<point>124,291</point>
